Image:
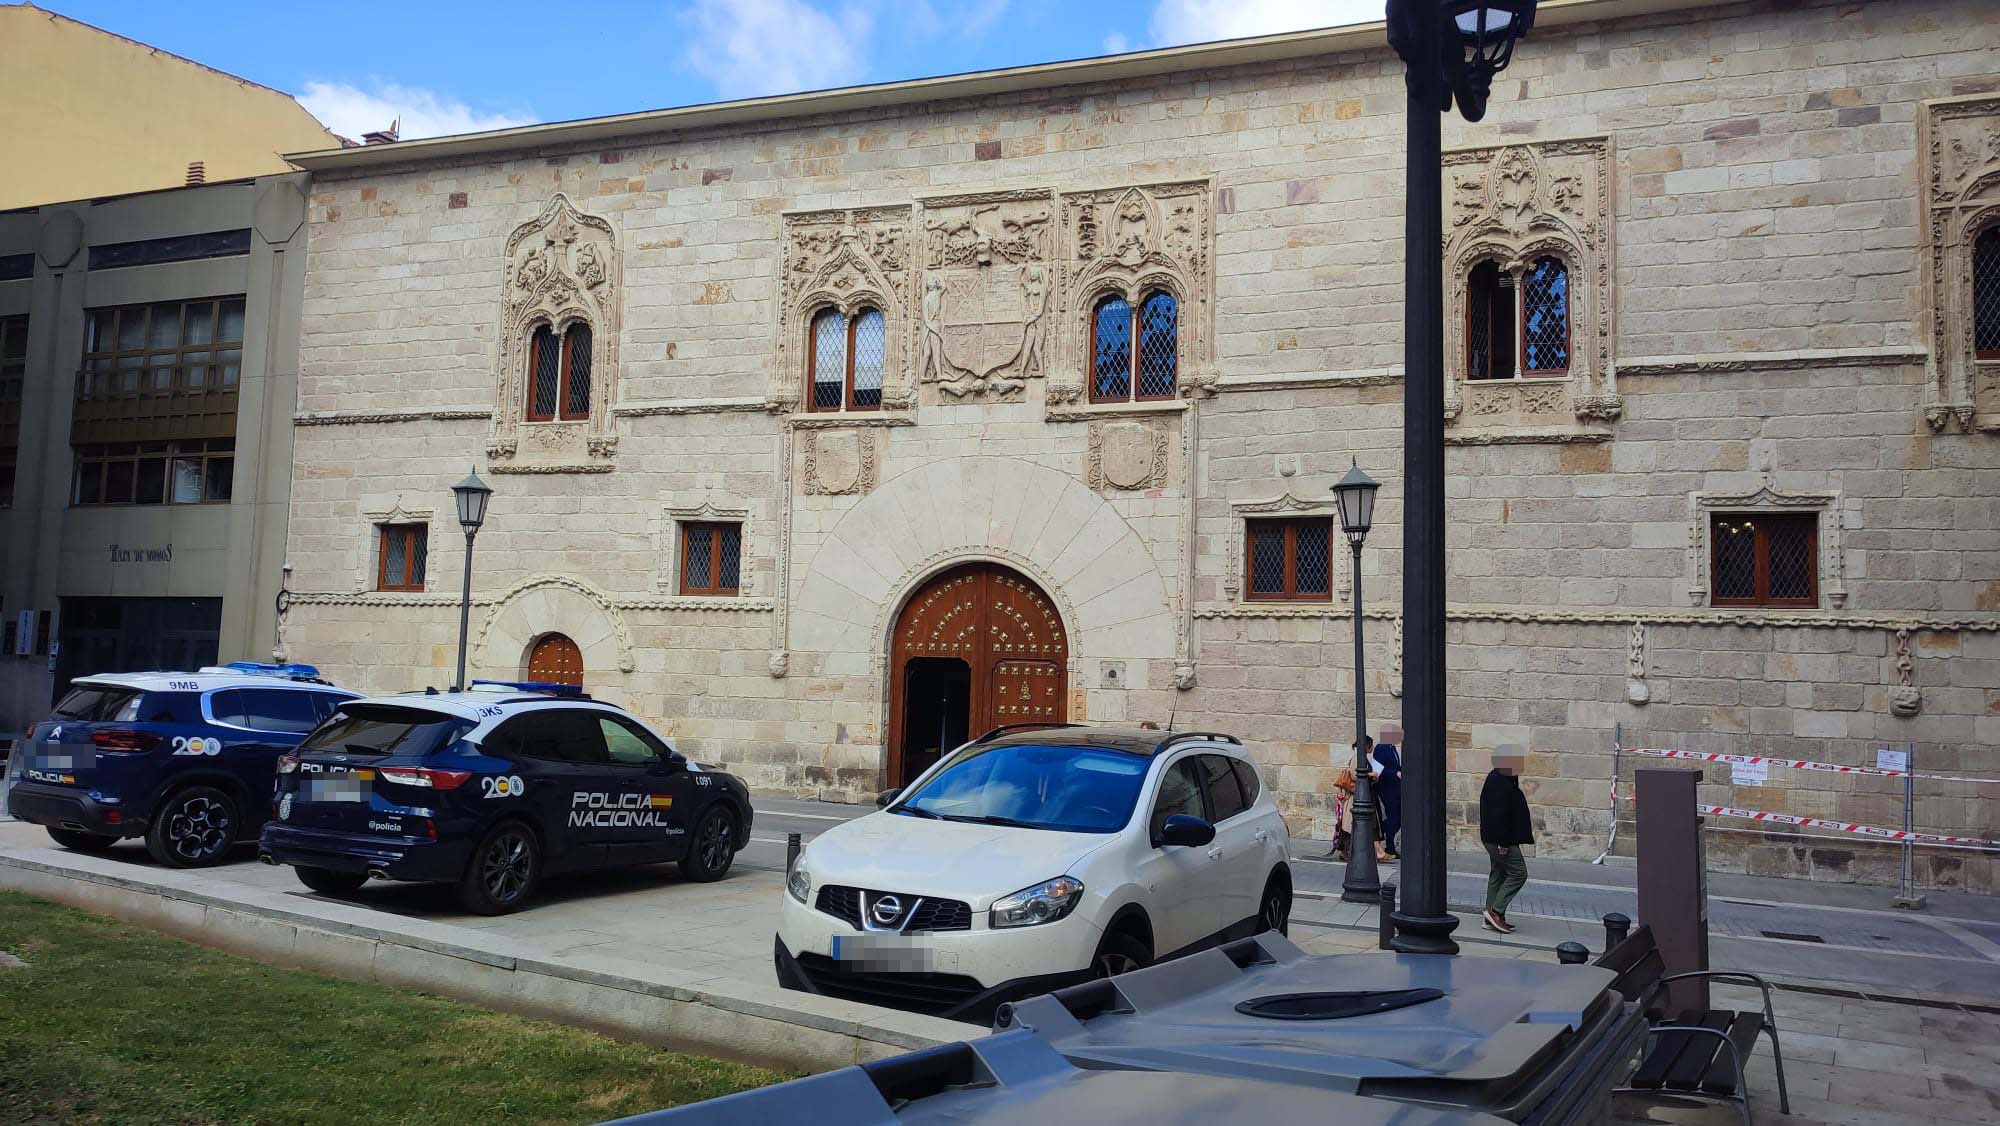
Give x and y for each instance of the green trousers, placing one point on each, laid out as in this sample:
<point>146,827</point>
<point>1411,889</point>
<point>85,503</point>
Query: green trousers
<point>1504,882</point>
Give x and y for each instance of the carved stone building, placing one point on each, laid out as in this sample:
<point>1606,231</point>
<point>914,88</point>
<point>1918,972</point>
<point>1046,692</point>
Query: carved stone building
<point>830,427</point>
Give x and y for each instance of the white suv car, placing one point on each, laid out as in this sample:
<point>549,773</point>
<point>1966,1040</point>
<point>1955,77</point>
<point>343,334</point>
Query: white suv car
<point>1032,859</point>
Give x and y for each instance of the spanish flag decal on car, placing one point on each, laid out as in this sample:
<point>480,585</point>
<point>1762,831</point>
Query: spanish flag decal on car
<point>662,801</point>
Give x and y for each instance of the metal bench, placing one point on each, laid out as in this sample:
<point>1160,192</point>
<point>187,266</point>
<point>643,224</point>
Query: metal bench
<point>1697,1053</point>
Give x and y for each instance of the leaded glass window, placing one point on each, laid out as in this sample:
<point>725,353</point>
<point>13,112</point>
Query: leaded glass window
<point>1111,351</point>
<point>1764,559</point>
<point>711,558</point>
<point>545,374</point>
<point>849,358</point>
<point>1986,294</point>
<point>1290,558</point>
<point>576,372</point>
<point>1545,316</point>
<point>1159,346</point>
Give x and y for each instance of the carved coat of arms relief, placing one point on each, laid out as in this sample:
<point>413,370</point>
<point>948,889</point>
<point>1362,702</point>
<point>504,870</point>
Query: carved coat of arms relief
<point>988,291</point>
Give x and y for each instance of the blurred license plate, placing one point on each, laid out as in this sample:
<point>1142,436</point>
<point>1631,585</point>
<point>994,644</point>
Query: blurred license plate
<point>890,955</point>
<point>353,788</point>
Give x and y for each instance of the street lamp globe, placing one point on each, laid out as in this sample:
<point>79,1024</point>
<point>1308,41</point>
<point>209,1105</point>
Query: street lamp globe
<point>1485,32</point>
<point>472,494</point>
<point>1356,494</point>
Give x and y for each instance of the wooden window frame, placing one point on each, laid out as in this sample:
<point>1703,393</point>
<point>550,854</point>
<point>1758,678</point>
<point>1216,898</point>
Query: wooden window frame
<point>565,373</point>
<point>1513,319</point>
<point>1521,369</point>
<point>1290,592</point>
<point>1132,347</point>
<point>850,323</point>
<point>1992,231</point>
<point>714,530</point>
<point>1761,564</point>
<point>412,534</point>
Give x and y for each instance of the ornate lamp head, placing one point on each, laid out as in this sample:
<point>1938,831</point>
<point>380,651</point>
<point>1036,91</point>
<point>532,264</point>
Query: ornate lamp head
<point>472,494</point>
<point>1477,42</point>
<point>1356,494</point>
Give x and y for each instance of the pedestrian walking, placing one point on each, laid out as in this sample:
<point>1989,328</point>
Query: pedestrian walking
<point>1389,787</point>
<point>1504,828</point>
<point>1343,814</point>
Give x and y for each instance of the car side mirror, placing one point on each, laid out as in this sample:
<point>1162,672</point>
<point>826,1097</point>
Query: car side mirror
<point>1185,830</point>
<point>883,799</point>
<point>673,762</point>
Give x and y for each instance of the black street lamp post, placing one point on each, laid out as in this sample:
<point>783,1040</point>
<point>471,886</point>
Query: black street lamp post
<point>1362,883</point>
<point>472,495</point>
<point>1451,49</point>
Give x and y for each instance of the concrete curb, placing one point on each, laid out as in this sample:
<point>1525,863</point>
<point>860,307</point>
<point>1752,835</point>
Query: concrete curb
<point>633,1000</point>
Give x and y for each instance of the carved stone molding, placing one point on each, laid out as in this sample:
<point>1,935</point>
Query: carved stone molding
<point>1637,691</point>
<point>667,544</point>
<point>366,418</point>
<point>1284,504</point>
<point>1825,506</point>
<point>501,467</point>
<point>371,540</point>
<point>609,611</point>
<point>1396,659</point>
<point>989,291</point>
<point>626,602</point>
<point>1131,241</point>
<point>1729,618</point>
<point>1801,359</point>
<point>691,406</point>
<point>1514,204</point>
<point>847,259</point>
<point>1127,455</point>
<point>838,462</point>
<point>563,268</point>
<point>1959,148</point>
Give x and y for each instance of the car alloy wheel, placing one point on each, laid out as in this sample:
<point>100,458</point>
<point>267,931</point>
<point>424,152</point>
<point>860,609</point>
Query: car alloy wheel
<point>714,845</point>
<point>198,828</point>
<point>1111,963</point>
<point>506,865</point>
<point>1277,910</point>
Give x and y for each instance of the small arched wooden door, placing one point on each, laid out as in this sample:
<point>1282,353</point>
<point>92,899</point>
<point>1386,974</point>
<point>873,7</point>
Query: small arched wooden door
<point>555,659</point>
<point>976,647</point>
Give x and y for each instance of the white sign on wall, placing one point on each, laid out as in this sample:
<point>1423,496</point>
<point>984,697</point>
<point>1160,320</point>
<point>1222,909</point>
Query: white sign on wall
<point>1892,760</point>
<point>24,635</point>
<point>1749,773</point>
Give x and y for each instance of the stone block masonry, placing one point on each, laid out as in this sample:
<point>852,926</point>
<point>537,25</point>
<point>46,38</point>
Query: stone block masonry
<point>1755,333</point>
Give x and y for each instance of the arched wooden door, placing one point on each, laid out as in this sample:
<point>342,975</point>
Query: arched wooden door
<point>976,647</point>
<point>555,659</point>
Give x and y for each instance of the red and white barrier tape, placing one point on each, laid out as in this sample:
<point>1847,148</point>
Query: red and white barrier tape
<point>1875,831</point>
<point>1801,764</point>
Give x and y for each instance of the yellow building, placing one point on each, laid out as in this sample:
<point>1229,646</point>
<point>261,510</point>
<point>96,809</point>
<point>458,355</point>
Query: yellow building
<point>89,114</point>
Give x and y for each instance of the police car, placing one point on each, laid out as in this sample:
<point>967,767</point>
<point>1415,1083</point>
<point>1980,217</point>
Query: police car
<point>186,760</point>
<point>494,789</point>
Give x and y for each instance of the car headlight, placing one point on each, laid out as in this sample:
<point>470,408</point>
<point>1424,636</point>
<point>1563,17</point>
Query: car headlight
<point>1043,903</point>
<point>798,882</point>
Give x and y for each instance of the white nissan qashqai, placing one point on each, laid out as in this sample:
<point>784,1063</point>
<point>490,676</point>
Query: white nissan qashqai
<point>1031,859</point>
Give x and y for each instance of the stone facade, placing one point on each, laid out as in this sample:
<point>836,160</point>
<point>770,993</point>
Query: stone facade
<point>1739,195</point>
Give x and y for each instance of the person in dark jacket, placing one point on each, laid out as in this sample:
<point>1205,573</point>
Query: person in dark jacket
<point>1504,827</point>
<point>1389,787</point>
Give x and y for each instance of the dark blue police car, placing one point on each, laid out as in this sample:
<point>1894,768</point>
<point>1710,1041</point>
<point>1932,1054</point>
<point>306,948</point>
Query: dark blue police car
<point>186,760</point>
<point>493,789</point>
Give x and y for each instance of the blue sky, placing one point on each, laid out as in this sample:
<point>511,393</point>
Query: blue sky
<point>457,67</point>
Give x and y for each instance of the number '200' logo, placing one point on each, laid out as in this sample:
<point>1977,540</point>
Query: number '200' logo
<point>503,786</point>
<point>196,745</point>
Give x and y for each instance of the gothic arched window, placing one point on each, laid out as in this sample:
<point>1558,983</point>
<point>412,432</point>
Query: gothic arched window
<point>1986,294</point>
<point>847,360</point>
<point>559,374</point>
<point>1121,372</point>
<point>1517,322</point>
<point>1545,317</point>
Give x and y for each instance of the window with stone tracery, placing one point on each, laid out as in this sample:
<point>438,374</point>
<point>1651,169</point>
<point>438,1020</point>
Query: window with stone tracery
<point>559,374</point>
<point>847,360</point>
<point>1517,321</point>
<point>1135,356</point>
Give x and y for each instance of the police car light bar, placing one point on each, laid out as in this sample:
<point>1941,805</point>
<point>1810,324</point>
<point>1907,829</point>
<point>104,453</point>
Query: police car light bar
<point>544,687</point>
<point>292,671</point>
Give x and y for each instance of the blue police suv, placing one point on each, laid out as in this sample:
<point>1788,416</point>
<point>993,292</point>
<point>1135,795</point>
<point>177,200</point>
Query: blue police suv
<point>493,789</point>
<point>185,759</point>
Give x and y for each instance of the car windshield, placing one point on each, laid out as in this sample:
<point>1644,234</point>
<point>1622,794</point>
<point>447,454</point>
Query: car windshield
<point>1064,789</point>
<point>380,729</point>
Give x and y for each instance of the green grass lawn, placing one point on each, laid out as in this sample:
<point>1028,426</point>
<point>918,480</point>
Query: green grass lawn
<point>111,1023</point>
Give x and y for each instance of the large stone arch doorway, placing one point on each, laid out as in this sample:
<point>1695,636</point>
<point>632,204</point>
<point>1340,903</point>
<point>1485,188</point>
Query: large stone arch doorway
<point>975,647</point>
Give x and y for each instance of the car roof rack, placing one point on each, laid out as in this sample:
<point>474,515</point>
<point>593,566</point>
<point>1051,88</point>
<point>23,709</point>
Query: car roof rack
<point>1010,728</point>
<point>539,687</point>
<point>1196,736</point>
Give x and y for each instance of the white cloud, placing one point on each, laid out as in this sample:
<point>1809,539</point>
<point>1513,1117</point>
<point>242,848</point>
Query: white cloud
<point>1116,43</point>
<point>749,48</point>
<point>351,111</point>
<point>1202,21</point>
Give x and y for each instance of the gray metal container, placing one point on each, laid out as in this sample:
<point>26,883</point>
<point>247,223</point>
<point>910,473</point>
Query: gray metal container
<point>1527,1042</point>
<point>1016,1079</point>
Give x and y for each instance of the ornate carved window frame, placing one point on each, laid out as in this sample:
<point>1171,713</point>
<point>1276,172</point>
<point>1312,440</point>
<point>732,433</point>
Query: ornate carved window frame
<point>1131,241</point>
<point>365,563</point>
<point>1235,580</point>
<point>1702,506</point>
<point>844,258</point>
<point>1514,204</point>
<point>563,268</point>
<point>1959,147</point>
<point>667,549</point>
<point>850,312</point>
